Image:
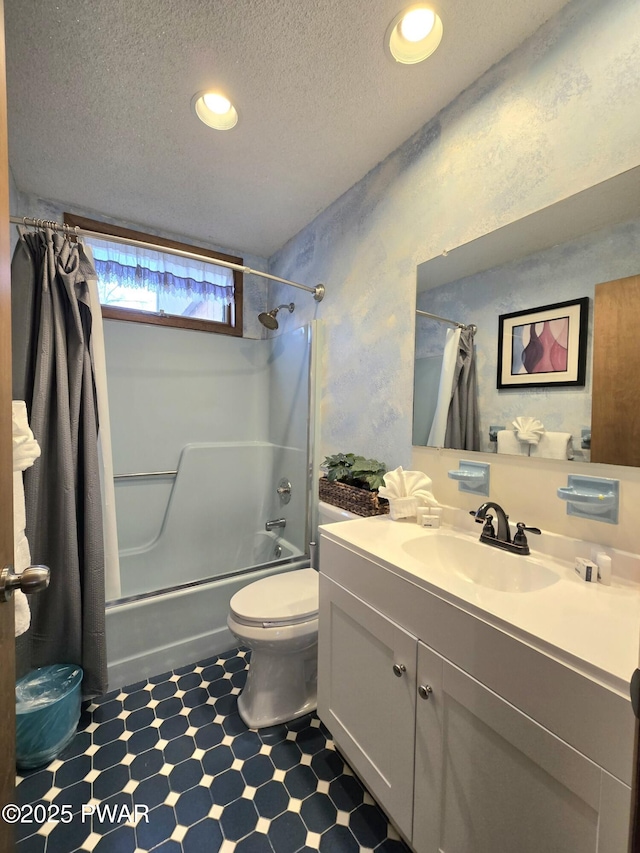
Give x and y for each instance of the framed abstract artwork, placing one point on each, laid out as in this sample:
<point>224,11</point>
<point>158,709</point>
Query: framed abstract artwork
<point>545,346</point>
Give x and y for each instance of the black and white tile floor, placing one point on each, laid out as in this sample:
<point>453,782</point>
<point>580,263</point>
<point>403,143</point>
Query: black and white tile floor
<point>176,745</point>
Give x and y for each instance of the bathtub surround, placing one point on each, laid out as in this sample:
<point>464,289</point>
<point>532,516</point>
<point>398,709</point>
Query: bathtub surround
<point>53,373</point>
<point>231,417</point>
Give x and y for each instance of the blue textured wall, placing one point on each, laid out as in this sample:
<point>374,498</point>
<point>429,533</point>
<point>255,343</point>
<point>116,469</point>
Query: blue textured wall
<point>558,115</point>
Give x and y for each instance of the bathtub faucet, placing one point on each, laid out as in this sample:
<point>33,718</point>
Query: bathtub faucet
<point>277,522</point>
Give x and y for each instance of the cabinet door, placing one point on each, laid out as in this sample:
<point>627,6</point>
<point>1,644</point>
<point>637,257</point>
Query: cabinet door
<point>489,778</point>
<point>369,709</point>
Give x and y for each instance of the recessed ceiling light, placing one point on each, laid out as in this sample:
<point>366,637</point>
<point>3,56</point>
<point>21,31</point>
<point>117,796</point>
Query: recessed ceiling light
<point>215,110</point>
<point>414,34</point>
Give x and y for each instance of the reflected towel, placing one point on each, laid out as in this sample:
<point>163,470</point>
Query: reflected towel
<point>508,443</point>
<point>529,430</point>
<point>554,445</point>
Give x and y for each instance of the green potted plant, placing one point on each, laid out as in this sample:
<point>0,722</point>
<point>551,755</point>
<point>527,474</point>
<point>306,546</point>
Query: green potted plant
<point>352,482</point>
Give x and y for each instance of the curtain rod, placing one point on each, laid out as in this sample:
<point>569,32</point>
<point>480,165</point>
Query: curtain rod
<point>318,291</point>
<point>441,319</point>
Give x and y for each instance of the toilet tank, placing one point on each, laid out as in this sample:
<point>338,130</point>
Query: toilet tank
<point>327,514</point>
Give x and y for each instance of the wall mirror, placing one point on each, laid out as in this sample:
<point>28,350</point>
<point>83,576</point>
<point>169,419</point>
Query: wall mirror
<point>557,254</point>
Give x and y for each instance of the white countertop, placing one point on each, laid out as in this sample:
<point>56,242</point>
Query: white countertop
<point>593,628</point>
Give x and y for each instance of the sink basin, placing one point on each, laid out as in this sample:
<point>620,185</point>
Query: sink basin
<point>477,563</point>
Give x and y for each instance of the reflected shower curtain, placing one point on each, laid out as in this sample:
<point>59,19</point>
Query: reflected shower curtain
<point>53,373</point>
<point>447,376</point>
<point>463,429</point>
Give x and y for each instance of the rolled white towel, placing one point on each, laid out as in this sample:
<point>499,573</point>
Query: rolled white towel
<point>554,445</point>
<point>508,443</point>
<point>408,484</point>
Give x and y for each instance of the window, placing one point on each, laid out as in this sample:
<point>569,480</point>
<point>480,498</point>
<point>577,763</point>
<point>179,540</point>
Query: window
<point>148,285</point>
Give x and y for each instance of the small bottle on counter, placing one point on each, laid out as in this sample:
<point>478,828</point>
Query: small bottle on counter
<point>603,561</point>
<point>429,516</point>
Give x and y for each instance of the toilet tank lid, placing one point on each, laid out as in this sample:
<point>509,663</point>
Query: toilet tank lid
<point>287,598</point>
<point>327,513</point>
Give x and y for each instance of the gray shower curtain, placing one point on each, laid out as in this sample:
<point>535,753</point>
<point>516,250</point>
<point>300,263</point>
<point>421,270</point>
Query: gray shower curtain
<point>53,373</point>
<point>463,429</point>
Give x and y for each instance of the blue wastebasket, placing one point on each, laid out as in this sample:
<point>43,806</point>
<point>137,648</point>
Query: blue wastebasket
<point>47,713</point>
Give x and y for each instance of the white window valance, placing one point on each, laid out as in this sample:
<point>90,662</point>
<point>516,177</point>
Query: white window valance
<point>148,269</point>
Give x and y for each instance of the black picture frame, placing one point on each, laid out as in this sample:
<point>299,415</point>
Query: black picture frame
<point>530,341</point>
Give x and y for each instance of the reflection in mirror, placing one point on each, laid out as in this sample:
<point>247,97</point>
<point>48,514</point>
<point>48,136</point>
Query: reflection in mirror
<point>556,255</point>
<point>454,399</point>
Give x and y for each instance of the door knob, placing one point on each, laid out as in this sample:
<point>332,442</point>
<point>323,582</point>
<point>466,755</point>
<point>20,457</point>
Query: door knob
<point>424,691</point>
<point>32,579</point>
<point>399,669</point>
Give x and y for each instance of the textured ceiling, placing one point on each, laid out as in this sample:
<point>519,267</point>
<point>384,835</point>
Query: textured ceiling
<point>99,103</point>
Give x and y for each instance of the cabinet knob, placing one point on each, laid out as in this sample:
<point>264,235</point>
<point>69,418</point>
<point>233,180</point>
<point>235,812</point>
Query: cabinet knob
<point>399,669</point>
<point>424,691</point>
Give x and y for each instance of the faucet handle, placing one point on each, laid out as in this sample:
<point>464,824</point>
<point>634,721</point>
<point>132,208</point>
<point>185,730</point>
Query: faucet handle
<point>520,537</point>
<point>488,530</point>
<point>522,526</point>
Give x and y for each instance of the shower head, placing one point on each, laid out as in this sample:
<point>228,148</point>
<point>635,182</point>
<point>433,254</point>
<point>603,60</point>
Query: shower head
<point>268,319</point>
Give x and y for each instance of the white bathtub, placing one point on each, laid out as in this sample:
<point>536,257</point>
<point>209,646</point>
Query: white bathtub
<point>210,520</point>
<point>160,632</point>
<point>187,545</point>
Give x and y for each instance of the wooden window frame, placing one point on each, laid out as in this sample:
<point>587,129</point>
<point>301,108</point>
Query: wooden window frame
<point>112,312</point>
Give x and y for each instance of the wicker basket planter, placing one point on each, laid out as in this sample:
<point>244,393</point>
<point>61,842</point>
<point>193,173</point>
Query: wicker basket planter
<point>358,501</point>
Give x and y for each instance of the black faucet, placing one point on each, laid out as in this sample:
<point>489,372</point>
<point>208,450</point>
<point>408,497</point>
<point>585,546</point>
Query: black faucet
<point>502,539</point>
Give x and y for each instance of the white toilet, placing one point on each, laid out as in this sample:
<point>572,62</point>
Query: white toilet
<point>277,618</point>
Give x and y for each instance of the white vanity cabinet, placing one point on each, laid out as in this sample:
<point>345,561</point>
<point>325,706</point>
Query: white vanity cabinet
<point>369,709</point>
<point>489,778</point>
<point>461,765</point>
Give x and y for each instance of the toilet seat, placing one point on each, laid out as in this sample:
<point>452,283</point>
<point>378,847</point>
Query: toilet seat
<point>290,598</point>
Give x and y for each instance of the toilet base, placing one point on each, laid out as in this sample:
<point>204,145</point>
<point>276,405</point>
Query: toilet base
<point>279,687</point>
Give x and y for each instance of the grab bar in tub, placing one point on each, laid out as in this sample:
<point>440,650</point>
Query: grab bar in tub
<point>145,474</point>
